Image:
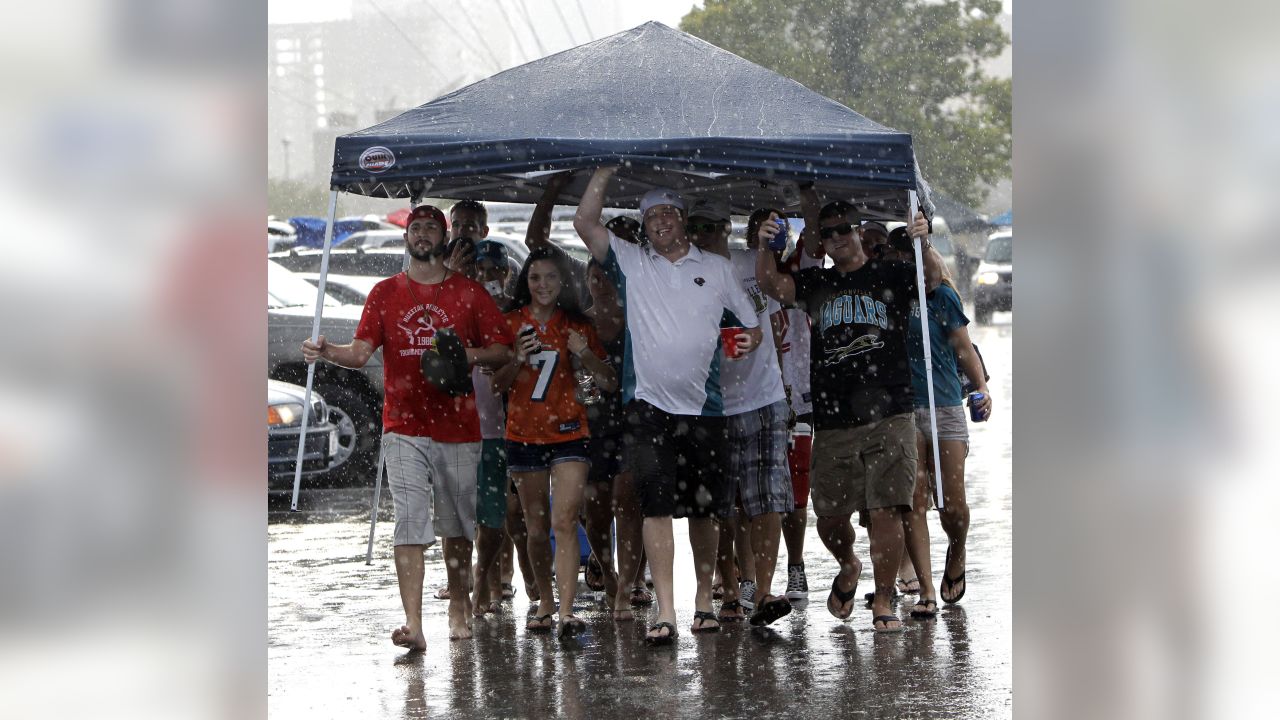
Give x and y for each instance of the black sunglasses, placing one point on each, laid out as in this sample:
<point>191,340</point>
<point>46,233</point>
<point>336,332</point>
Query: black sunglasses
<point>841,229</point>
<point>706,227</point>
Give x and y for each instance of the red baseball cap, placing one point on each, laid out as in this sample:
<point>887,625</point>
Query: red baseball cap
<point>424,212</point>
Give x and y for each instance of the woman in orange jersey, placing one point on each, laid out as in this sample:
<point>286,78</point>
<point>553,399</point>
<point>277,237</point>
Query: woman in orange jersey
<point>547,423</point>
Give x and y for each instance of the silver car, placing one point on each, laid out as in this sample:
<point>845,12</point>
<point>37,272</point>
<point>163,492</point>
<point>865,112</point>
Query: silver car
<point>354,397</point>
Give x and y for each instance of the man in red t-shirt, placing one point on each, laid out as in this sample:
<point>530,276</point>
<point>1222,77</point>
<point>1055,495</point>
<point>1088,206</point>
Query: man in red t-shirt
<point>431,441</point>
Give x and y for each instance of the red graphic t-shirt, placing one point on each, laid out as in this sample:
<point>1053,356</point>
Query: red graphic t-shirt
<point>403,320</point>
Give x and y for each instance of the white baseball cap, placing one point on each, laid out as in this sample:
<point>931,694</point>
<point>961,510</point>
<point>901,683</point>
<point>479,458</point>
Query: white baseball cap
<point>660,196</point>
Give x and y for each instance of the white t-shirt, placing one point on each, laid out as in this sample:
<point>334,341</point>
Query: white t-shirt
<point>493,418</point>
<point>754,381</point>
<point>674,313</point>
<point>795,349</point>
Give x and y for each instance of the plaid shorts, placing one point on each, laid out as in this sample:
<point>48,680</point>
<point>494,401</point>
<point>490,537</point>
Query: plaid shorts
<point>433,487</point>
<point>758,460</point>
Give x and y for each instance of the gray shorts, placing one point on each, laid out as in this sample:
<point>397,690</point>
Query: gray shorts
<point>758,467</point>
<point>953,422</point>
<point>433,486</point>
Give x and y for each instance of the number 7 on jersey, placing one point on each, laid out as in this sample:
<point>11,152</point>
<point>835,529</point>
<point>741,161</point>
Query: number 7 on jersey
<point>544,361</point>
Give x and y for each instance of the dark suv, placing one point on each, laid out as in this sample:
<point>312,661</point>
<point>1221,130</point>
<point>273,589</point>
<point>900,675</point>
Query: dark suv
<point>993,281</point>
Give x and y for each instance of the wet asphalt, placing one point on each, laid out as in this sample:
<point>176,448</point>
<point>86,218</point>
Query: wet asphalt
<point>330,617</point>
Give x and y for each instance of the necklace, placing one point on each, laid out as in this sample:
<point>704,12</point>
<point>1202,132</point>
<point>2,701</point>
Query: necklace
<point>426,315</point>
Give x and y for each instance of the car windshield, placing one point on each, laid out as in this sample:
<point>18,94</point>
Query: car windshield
<point>284,289</point>
<point>1000,250</point>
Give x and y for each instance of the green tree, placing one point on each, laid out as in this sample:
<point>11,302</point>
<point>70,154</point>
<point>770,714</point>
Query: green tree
<point>914,66</point>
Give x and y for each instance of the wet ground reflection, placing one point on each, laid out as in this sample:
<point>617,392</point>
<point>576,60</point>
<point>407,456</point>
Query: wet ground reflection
<point>331,616</point>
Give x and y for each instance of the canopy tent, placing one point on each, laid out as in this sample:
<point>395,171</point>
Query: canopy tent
<point>673,109</point>
<point>670,109</point>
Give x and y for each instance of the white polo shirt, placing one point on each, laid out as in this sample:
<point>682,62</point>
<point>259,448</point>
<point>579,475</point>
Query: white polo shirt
<point>754,381</point>
<point>674,314</point>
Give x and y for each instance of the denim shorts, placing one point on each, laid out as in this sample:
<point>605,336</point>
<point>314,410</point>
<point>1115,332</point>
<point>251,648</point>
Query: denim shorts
<point>527,457</point>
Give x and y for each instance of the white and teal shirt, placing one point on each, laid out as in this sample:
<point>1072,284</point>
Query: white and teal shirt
<point>674,314</point>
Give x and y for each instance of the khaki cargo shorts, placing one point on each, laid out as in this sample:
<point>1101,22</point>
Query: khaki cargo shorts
<point>865,467</point>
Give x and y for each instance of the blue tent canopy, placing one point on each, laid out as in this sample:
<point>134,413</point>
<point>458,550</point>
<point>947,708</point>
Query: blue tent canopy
<point>672,109</point>
<point>311,230</point>
<point>1004,218</point>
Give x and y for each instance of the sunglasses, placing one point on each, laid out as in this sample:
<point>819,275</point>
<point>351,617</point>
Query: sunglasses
<point>841,229</point>
<point>706,227</point>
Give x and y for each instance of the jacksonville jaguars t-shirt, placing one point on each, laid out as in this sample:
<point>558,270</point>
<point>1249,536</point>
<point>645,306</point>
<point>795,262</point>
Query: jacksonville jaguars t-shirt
<point>859,368</point>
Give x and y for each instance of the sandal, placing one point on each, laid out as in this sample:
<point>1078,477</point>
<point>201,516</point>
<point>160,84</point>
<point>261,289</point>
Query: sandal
<point>770,610</point>
<point>925,609</point>
<point>442,593</point>
<point>594,574</point>
<point>705,616</point>
<point>909,587</point>
<point>541,623</point>
<point>570,626</point>
<point>667,639</point>
<point>841,598</point>
<point>734,608</point>
<point>949,583</point>
<point>508,591</point>
<point>886,619</point>
<point>717,591</point>
<point>641,597</point>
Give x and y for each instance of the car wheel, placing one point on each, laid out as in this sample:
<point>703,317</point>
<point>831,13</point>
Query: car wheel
<point>359,427</point>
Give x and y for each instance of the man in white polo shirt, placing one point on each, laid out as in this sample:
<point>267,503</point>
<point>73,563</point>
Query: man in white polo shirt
<point>756,409</point>
<point>676,299</point>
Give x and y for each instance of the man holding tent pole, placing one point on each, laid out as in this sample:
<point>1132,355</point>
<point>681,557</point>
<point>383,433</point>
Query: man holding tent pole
<point>677,298</point>
<point>864,451</point>
<point>431,437</point>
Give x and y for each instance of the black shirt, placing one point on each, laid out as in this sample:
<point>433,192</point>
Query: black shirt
<point>859,368</point>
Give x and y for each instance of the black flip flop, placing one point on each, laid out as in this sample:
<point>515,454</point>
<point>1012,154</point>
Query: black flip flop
<point>948,582</point>
<point>571,626</point>
<point>766,613</point>
<point>703,615</point>
<point>539,628</point>
<point>930,610</point>
<point>841,597</point>
<point>667,639</point>
<point>730,606</point>
<point>886,619</point>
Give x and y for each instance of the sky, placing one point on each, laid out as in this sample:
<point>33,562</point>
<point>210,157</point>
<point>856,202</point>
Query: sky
<point>667,12</point>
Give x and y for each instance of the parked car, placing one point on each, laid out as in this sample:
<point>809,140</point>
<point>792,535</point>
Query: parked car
<point>369,239</point>
<point>280,235</point>
<point>993,280</point>
<point>284,423</point>
<point>354,397</point>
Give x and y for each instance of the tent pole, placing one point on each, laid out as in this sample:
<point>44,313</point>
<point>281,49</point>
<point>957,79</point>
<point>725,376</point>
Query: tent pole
<point>373,512</point>
<point>315,333</point>
<point>913,203</point>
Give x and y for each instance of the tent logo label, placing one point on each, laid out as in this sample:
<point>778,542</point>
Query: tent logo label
<point>377,159</point>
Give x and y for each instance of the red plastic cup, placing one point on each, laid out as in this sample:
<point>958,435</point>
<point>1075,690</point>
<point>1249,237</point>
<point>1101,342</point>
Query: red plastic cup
<point>729,339</point>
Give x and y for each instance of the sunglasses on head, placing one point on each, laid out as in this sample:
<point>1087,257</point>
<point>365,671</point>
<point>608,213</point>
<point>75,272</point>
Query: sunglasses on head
<point>706,227</point>
<point>841,229</point>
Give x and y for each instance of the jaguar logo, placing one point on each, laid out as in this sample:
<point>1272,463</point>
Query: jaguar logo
<point>866,343</point>
<point>377,159</point>
<point>699,281</point>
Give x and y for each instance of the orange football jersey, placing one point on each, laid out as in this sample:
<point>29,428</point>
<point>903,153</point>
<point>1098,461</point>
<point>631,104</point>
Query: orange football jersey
<point>541,405</point>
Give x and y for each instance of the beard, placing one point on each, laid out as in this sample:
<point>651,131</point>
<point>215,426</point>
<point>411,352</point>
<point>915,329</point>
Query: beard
<point>426,255</point>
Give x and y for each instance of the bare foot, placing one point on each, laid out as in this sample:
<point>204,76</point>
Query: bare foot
<point>459,622</point>
<point>405,638</point>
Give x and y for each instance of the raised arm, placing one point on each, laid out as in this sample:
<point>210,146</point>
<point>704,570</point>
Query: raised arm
<point>774,284</point>
<point>810,206</point>
<point>587,220</point>
<point>932,259</point>
<point>539,232</point>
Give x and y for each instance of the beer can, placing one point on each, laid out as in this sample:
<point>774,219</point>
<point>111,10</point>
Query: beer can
<point>975,413</point>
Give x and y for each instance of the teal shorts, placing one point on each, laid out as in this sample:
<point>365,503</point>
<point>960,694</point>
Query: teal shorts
<point>491,484</point>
